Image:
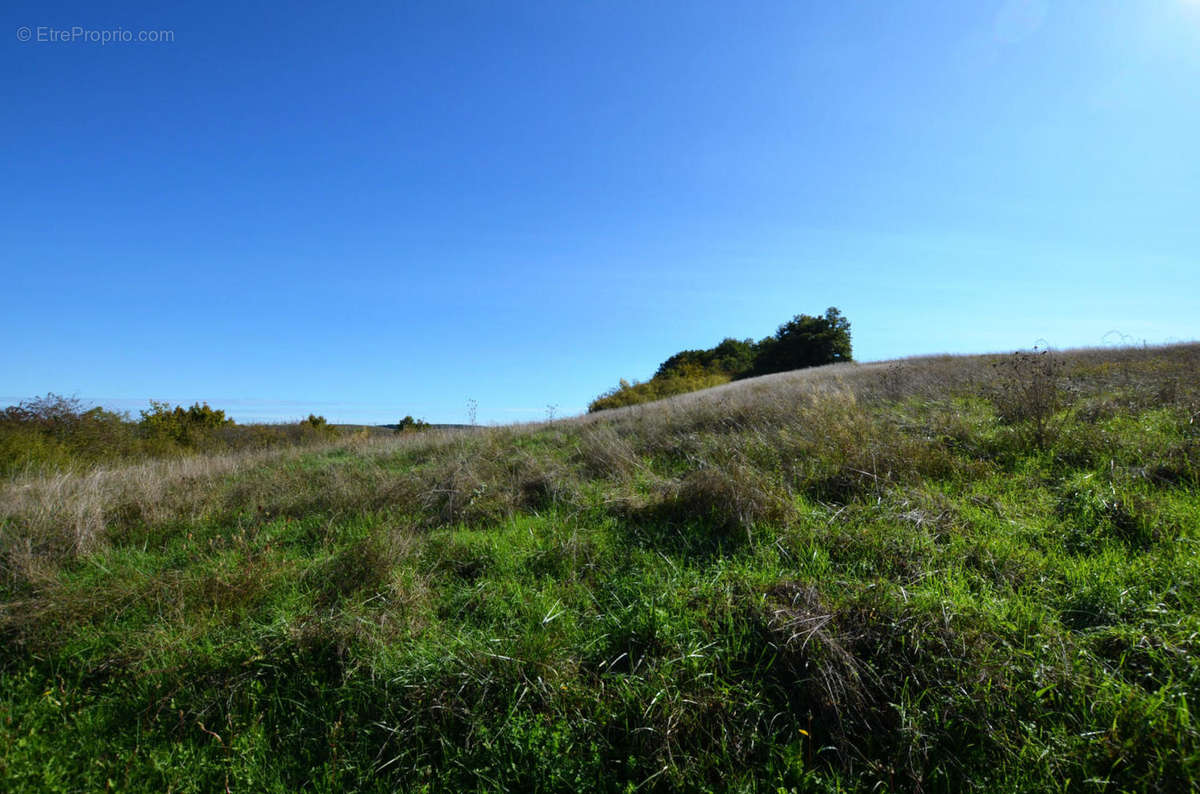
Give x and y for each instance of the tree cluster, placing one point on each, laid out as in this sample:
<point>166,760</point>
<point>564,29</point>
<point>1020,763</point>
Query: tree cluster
<point>803,341</point>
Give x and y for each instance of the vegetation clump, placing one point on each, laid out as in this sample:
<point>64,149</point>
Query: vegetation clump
<point>410,425</point>
<point>187,427</point>
<point>56,434</point>
<point>803,341</point>
<point>1029,392</point>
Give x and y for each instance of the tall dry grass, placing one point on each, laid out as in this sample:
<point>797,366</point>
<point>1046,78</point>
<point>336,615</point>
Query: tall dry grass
<point>45,519</point>
<point>815,430</point>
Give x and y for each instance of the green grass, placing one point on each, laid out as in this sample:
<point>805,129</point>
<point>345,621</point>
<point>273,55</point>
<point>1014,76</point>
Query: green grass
<point>857,580</point>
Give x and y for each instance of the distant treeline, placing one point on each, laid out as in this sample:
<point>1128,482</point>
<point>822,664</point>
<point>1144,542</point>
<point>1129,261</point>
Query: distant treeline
<point>55,432</point>
<point>804,341</point>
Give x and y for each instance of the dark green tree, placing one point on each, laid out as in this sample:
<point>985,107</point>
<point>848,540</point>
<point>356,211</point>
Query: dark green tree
<point>733,357</point>
<point>805,341</point>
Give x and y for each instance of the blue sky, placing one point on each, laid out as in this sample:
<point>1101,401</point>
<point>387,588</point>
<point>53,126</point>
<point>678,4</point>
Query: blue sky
<point>368,210</point>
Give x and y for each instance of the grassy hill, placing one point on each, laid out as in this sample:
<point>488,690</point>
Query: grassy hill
<point>941,574</point>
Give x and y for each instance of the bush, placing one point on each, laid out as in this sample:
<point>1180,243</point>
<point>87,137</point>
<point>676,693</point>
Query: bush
<point>23,448</point>
<point>59,433</point>
<point>686,380</point>
<point>52,431</point>
<point>190,427</point>
<point>410,425</point>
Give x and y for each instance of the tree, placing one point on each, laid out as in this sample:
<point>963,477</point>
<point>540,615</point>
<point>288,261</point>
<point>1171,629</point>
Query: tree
<point>732,357</point>
<point>805,341</point>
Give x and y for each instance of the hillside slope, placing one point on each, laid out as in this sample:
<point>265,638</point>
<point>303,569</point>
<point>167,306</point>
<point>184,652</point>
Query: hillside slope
<point>939,574</point>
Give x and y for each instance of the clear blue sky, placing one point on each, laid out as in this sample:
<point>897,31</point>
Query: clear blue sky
<point>376,209</point>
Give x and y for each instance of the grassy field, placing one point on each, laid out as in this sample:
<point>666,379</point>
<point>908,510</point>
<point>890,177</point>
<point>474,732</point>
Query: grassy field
<point>942,574</point>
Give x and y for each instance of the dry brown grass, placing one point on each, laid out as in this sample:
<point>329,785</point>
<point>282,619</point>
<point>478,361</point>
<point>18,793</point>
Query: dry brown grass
<point>1163,374</point>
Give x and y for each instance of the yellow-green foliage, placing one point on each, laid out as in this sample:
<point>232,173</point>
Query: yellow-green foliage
<point>55,433</point>
<point>188,427</point>
<point>657,388</point>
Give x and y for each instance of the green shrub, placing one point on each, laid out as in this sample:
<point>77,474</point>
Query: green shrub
<point>187,427</point>
<point>53,431</point>
<point>23,448</point>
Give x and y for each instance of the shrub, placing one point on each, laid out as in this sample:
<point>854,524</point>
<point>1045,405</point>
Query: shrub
<point>190,427</point>
<point>408,425</point>
<point>23,448</point>
<point>53,413</point>
<point>59,433</point>
<point>52,431</point>
<point>688,379</point>
<point>316,427</point>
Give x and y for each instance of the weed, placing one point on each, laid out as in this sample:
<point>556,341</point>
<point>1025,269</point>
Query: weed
<point>1029,392</point>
